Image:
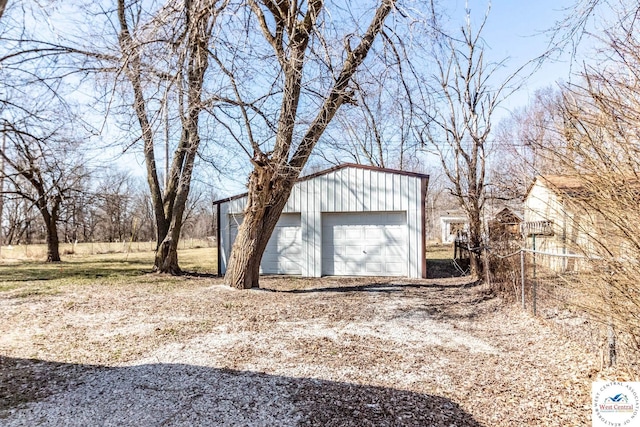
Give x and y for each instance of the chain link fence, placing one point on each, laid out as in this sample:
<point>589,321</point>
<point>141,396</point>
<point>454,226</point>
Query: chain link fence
<point>568,291</point>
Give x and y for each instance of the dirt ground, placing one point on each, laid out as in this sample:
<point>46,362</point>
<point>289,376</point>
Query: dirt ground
<point>321,352</point>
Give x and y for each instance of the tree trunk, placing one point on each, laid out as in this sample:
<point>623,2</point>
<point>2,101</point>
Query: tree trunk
<point>167,253</point>
<point>164,243</point>
<point>253,235</point>
<point>53,245</point>
<point>475,243</point>
<point>166,260</point>
<point>268,194</point>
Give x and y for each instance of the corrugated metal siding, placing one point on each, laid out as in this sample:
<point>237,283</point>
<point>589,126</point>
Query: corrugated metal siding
<point>344,190</point>
<point>225,246</point>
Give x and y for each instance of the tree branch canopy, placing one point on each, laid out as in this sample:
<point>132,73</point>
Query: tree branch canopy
<point>294,30</point>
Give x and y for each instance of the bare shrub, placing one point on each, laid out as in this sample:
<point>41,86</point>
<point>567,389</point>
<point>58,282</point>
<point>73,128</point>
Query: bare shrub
<point>601,153</point>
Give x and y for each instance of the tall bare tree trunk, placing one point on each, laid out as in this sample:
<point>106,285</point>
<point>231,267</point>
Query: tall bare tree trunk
<point>458,130</point>
<point>473,206</point>
<point>166,260</point>
<point>274,174</point>
<point>184,161</point>
<point>51,223</point>
<point>261,215</point>
<point>169,206</point>
<point>53,244</point>
<point>475,243</point>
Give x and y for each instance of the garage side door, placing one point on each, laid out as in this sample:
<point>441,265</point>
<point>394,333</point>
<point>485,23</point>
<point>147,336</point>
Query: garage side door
<point>283,252</point>
<point>364,244</point>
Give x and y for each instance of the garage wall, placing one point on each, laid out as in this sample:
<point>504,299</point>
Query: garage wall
<point>283,252</point>
<point>346,189</point>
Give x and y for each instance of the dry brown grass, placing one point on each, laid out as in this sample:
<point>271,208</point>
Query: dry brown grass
<point>38,252</point>
<point>366,350</point>
<point>34,277</point>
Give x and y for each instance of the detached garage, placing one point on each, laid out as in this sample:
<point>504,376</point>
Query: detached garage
<point>351,220</point>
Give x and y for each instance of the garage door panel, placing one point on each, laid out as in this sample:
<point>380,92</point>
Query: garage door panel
<point>373,250</point>
<point>394,255</point>
<point>351,266</point>
<point>395,232</point>
<point>352,234</point>
<point>337,235</point>
<point>394,251</point>
<point>397,268</point>
<point>374,267</point>
<point>287,265</point>
<point>364,243</point>
<point>288,235</point>
<point>288,248</point>
<point>283,252</point>
<point>374,233</point>
<point>353,251</point>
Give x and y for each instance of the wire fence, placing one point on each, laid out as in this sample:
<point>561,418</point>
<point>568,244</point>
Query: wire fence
<point>564,289</point>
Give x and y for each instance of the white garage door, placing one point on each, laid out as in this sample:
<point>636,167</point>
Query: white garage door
<point>364,244</point>
<point>283,252</point>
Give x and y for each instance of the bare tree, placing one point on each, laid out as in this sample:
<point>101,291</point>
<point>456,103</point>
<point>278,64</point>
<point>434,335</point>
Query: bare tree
<point>524,141</point>
<point>113,200</point>
<point>150,59</point>
<point>43,166</point>
<point>458,128</point>
<point>189,38</point>
<point>294,32</point>
<point>19,216</point>
<point>40,162</point>
<point>602,151</point>
<point>76,220</point>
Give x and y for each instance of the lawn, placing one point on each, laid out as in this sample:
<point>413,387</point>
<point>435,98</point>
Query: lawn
<point>34,276</point>
<point>103,262</point>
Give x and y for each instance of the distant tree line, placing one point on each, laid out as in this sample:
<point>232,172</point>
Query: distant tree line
<point>110,208</point>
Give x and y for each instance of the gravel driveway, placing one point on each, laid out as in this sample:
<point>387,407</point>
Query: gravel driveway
<point>324,352</point>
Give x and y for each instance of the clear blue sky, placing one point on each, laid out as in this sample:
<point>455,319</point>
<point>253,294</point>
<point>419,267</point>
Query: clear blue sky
<point>519,31</point>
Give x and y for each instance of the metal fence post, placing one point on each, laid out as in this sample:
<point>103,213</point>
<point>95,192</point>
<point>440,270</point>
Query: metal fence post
<point>611,338</point>
<point>522,278</point>
<point>535,279</point>
<point>534,296</point>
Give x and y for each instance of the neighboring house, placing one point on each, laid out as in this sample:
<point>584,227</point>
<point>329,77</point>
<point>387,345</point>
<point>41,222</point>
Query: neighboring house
<point>452,223</point>
<point>350,220</point>
<point>553,221</point>
<point>505,224</point>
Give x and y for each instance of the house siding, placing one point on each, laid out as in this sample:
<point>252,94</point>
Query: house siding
<point>544,204</point>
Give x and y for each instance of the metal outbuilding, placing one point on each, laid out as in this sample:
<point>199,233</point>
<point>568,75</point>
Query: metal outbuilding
<point>350,220</point>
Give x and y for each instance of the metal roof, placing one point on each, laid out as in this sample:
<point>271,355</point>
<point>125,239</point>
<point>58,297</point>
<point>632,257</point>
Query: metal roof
<point>336,168</point>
